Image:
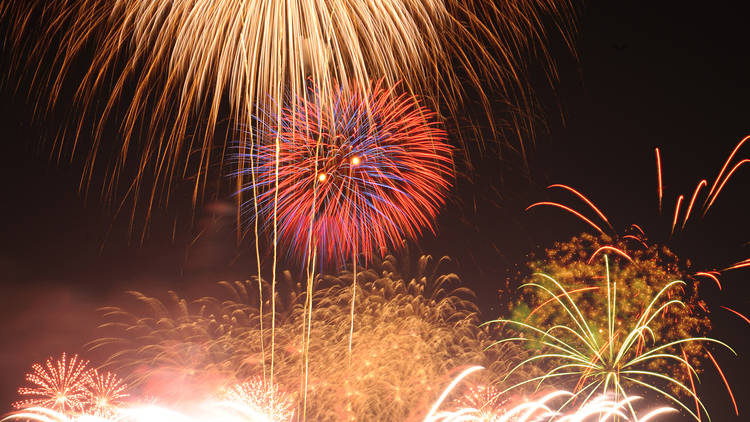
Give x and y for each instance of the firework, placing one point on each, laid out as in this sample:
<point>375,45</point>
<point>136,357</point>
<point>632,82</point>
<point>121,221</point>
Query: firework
<point>60,385</point>
<point>356,176</point>
<point>634,239</point>
<point>700,202</point>
<point>263,397</point>
<point>598,409</point>
<point>643,272</point>
<point>413,326</point>
<point>181,63</point>
<point>613,358</point>
<point>106,393</point>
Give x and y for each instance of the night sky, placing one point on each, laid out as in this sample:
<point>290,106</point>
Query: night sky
<point>646,76</point>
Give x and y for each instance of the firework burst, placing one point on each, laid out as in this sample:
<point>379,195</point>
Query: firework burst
<point>614,358</point>
<point>356,176</point>
<point>190,65</point>
<point>106,393</point>
<point>61,385</point>
<point>263,397</point>
<point>687,208</point>
<point>602,408</point>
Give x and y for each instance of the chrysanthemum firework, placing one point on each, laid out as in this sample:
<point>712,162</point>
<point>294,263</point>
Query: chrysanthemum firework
<point>353,176</point>
<point>61,385</point>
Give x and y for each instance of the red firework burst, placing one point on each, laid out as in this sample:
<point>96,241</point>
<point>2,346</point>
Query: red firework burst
<point>60,385</point>
<point>356,173</point>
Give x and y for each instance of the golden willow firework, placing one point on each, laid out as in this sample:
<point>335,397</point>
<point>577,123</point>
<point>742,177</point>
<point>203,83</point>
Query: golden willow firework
<point>412,327</point>
<point>170,73</point>
<point>620,354</point>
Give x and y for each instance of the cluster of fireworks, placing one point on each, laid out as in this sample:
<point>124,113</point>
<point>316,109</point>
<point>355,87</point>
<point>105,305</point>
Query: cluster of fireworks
<point>342,154</point>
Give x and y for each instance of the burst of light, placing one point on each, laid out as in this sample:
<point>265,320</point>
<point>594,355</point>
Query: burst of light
<point>384,160</point>
<point>106,393</point>
<point>602,408</point>
<point>263,398</point>
<point>617,361</point>
<point>176,62</point>
<point>61,385</point>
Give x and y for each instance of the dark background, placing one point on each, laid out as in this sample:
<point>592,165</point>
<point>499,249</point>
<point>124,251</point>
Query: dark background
<point>672,76</point>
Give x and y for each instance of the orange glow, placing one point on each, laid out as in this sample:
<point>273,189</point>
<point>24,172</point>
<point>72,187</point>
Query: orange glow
<point>570,210</point>
<point>724,182</point>
<point>692,201</point>
<point>741,264</point>
<point>658,178</point>
<point>676,213</point>
<point>322,177</point>
<point>636,238</point>
<point>613,249</point>
<point>738,314</point>
<point>356,160</point>
<point>692,385</point>
<point>726,383</point>
<point>726,164</point>
<point>583,197</point>
<point>709,275</point>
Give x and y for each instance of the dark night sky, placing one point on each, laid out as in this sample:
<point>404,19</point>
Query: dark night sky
<point>647,76</point>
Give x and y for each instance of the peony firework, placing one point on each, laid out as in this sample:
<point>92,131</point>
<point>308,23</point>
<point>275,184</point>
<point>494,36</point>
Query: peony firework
<point>61,385</point>
<point>353,176</point>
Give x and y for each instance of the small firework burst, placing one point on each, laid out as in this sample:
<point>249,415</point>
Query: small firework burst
<point>106,392</point>
<point>262,397</point>
<point>357,175</point>
<point>486,399</point>
<point>60,385</point>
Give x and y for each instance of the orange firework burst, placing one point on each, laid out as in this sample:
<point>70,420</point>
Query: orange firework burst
<point>60,385</point>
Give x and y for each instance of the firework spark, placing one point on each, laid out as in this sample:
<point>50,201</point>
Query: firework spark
<point>683,211</point>
<point>611,359</point>
<point>598,409</point>
<point>60,385</point>
<point>263,397</point>
<point>189,65</point>
<point>106,393</point>
<point>357,176</point>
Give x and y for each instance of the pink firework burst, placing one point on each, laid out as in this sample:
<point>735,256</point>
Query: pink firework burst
<point>486,399</point>
<point>106,392</point>
<point>262,397</point>
<point>356,173</point>
<point>60,385</point>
